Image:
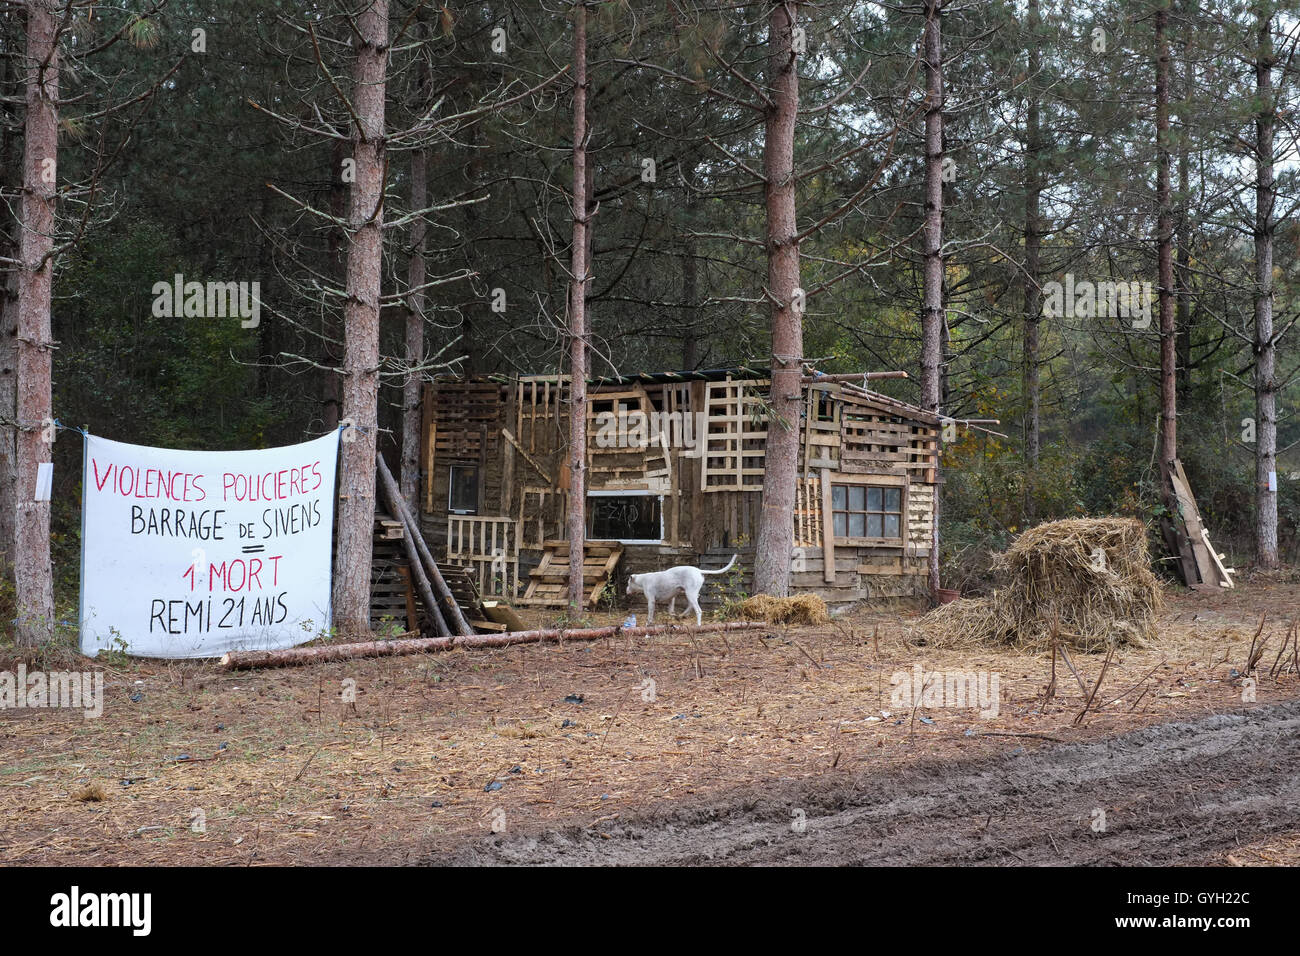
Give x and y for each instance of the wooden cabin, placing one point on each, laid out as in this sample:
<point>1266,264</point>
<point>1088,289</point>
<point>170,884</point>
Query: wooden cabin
<point>675,476</point>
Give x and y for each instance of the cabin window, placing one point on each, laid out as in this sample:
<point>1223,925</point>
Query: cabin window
<point>825,407</point>
<point>867,511</point>
<point>625,517</point>
<point>462,496</point>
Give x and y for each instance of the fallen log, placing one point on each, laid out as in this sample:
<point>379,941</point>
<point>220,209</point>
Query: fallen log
<point>290,656</point>
<point>451,611</point>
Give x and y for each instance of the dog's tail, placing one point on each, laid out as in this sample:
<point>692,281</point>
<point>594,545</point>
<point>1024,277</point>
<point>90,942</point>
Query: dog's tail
<point>723,570</point>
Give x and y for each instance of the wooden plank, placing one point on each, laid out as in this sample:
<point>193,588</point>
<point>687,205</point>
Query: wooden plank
<point>1224,573</point>
<point>432,446</point>
<point>1174,529</point>
<point>828,529</point>
<point>1207,565</point>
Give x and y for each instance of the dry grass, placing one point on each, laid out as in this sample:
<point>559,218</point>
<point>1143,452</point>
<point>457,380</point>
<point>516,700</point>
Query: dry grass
<point>800,609</point>
<point>1085,582</point>
<point>91,793</point>
<point>408,770</point>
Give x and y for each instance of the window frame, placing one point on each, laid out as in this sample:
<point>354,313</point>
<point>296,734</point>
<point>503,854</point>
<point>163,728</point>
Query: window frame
<point>629,493</point>
<point>884,483</point>
<point>478,487</point>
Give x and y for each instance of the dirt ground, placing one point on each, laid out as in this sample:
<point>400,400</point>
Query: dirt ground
<point>779,745</point>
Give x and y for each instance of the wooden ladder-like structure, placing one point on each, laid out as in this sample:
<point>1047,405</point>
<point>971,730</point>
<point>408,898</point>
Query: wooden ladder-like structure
<point>548,583</point>
<point>392,599</point>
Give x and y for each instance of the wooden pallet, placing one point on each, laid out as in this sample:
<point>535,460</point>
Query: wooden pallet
<point>388,528</point>
<point>548,584</point>
<point>460,580</point>
<point>391,594</point>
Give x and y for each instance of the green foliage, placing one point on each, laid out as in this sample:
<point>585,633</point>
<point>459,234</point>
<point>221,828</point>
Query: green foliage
<point>133,376</point>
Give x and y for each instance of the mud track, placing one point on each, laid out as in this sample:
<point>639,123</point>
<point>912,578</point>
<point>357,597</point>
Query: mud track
<point>1178,793</point>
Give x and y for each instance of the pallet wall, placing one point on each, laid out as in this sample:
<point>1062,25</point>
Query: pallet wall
<point>709,474</point>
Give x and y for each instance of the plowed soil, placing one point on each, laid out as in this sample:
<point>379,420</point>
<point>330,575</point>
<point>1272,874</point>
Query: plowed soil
<point>1180,793</point>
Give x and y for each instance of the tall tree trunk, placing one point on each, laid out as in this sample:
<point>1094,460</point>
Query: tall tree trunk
<point>10,230</point>
<point>1265,352</point>
<point>33,576</point>
<point>1183,272</point>
<point>331,382</point>
<point>361,325</point>
<point>932,317</point>
<point>8,409</point>
<point>690,274</point>
<point>1165,246</point>
<point>577,513</point>
<point>781,464</point>
<point>415,276</point>
<point>1032,288</point>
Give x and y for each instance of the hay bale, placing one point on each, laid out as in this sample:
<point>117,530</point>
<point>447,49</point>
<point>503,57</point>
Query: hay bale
<point>1086,580</point>
<point>799,609</point>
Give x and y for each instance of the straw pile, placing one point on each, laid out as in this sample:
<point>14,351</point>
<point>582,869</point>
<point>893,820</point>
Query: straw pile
<point>799,609</point>
<point>1088,580</point>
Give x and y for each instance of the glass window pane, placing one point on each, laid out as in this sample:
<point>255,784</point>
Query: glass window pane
<point>841,524</point>
<point>893,499</point>
<point>856,525</point>
<point>873,499</point>
<point>631,517</point>
<point>839,496</point>
<point>891,526</point>
<point>463,496</point>
<point>856,497</point>
<point>873,526</point>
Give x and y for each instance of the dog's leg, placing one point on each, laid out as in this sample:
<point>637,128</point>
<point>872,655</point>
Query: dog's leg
<point>694,601</point>
<point>650,607</point>
<point>672,604</point>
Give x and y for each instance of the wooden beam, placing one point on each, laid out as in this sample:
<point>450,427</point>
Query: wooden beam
<point>828,530</point>
<point>849,377</point>
<point>505,433</point>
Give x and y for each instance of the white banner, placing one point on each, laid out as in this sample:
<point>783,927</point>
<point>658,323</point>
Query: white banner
<point>195,553</point>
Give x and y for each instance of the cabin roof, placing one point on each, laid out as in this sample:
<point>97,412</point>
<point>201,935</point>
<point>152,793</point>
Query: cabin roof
<point>904,409</point>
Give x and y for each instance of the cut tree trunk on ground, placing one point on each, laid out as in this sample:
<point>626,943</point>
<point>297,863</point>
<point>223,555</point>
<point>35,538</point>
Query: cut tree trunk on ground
<point>245,660</point>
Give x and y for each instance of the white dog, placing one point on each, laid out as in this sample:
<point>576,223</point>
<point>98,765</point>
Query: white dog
<point>657,585</point>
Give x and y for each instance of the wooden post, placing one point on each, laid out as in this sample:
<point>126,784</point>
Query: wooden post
<point>828,530</point>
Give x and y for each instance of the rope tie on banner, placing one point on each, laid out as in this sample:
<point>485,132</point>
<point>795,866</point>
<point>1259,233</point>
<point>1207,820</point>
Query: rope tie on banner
<point>60,426</point>
<point>17,425</point>
<point>71,428</point>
